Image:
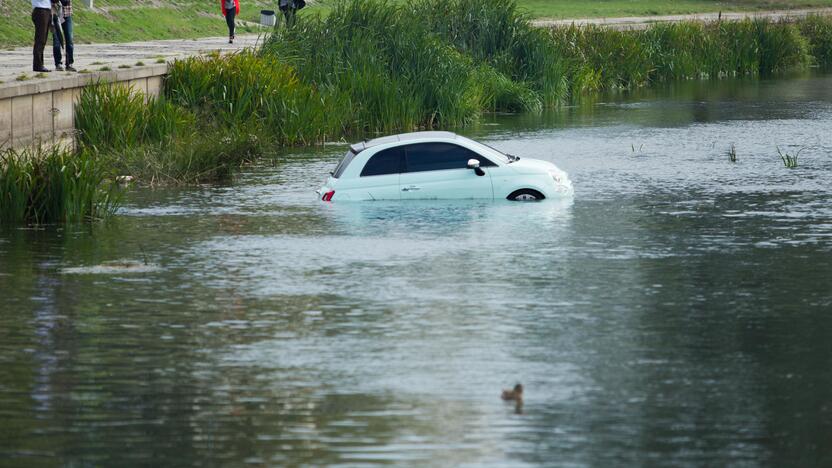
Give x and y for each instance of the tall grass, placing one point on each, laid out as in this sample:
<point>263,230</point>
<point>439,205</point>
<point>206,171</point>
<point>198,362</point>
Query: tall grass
<point>386,70</point>
<point>39,186</point>
<point>246,91</point>
<point>116,116</point>
<point>154,140</point>
<point>818,31</point>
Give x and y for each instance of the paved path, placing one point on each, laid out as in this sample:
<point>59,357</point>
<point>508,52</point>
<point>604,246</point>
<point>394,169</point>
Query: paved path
<point>643,22</point>
<point>93,57</point>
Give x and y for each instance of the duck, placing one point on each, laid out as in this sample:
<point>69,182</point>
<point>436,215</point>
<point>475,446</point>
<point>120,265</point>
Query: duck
<point>514,395</point>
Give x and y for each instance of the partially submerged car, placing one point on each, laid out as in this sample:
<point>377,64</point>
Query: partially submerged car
<point>440,165</point>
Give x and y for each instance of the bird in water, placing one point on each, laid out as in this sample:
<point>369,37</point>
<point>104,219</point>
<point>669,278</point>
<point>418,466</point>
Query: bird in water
<point>514,395</point>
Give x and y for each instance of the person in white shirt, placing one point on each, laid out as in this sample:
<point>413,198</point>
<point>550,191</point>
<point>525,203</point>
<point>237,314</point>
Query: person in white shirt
<point>41,17</point>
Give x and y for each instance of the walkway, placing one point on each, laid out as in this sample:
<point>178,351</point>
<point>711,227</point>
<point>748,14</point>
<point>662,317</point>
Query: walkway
<point>93,57</point>
<point>643,22</point>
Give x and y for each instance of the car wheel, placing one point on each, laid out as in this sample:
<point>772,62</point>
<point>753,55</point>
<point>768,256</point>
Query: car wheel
<point>526,195</point>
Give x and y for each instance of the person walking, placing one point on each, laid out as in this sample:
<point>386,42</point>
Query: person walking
<point>230,9</point>
<point>41,17</point>
<point>62,35</point>
<point>290,8</point>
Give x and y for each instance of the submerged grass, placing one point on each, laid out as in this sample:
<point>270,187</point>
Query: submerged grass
<point>40,186</point>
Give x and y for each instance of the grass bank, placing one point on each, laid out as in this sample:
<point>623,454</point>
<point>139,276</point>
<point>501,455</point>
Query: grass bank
<point>130,20</point>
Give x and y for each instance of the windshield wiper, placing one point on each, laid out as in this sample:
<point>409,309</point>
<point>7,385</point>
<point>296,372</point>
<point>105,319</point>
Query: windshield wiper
<point>512,158</point>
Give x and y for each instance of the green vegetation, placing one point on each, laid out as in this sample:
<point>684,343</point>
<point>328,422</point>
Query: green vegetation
<point>566,9</point>
<point>818,31</point>
<point>789,160</point>
<point>132,20</point>
<point>155,141</point>
<point>259,94</point>
<point>40,186</point>
<point>377,67</point>
<point>137,20</point>
<point>619,8</point>
<point>370,67</point>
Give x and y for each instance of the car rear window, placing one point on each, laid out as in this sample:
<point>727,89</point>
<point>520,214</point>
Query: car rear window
<point>345,161</point>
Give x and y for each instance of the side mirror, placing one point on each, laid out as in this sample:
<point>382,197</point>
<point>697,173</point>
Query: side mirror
<point>475,165</point>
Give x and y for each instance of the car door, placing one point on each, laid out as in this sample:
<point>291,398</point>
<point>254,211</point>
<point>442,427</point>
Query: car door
<point>440,170</point>
<point>379,178</point>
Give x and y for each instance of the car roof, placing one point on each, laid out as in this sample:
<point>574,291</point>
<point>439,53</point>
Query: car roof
<point>402,137</point>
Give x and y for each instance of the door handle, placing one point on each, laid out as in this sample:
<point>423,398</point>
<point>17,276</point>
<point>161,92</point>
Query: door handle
<point>411,188</point>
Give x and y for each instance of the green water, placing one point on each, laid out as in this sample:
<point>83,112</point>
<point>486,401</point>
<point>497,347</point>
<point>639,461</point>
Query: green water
<point>678,311</point>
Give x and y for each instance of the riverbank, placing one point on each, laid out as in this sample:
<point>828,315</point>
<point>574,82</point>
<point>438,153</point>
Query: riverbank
<point>424,65</point>
<point>120,21</point>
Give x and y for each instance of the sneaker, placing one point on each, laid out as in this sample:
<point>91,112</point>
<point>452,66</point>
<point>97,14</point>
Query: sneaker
<point>230,40</point>
<point>42,70</point>
<point>70,68</point>
<point>59,68</point>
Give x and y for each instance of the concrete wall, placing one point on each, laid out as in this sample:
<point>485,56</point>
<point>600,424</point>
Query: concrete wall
<point>42,110</point>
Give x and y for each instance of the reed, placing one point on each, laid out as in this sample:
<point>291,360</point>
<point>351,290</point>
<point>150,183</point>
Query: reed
<point>817,30</point>
<point>40,186</point>
<point>246,90</point>
<point>190,159</point>
<point>384,67</point>
<point>109,116</point>
<point>156,141</point>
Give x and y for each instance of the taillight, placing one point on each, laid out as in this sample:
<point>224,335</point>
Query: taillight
<point>328,196</point>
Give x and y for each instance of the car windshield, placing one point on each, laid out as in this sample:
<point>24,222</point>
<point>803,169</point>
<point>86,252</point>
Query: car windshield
<point>342,166</point>
<point>494,153</point>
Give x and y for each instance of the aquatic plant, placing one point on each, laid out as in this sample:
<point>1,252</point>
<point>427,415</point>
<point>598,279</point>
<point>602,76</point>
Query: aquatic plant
<point>385,68</point>
<point>817,29</point>
<point>210,156</point>
<point>732,154</point>
<point>39,185</point>
<point>781,46</point>
<point>246,91</point>
<point>117,116</point>
<point>155,140</point>
<point>789,160</point>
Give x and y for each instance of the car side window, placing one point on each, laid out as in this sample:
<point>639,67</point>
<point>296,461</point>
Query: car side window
<point>440,156</point>
<point>384,162</point>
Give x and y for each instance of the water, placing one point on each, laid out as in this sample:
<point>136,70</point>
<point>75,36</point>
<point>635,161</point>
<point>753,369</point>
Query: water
<point>678,311</point>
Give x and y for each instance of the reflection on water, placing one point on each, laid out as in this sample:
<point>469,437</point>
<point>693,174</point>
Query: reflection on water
<point>676,311</point>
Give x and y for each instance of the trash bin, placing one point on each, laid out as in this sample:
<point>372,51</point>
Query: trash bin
<point>267,18</point>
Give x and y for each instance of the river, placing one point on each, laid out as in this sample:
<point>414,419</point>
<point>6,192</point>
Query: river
<point>678,311</point>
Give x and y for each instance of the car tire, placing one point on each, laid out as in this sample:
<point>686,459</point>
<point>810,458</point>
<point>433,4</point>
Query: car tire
<point>525,195</point>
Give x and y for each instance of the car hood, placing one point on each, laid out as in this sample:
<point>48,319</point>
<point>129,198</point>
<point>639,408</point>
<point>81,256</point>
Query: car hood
<point>531,166</point>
